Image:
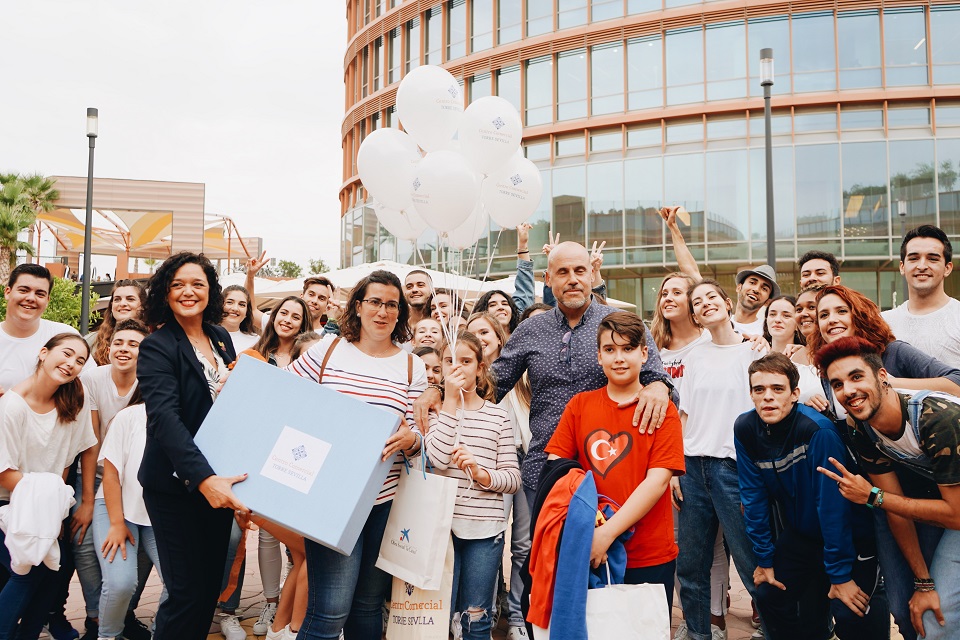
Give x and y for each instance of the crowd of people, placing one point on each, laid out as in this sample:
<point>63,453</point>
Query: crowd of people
<point>812,439</point>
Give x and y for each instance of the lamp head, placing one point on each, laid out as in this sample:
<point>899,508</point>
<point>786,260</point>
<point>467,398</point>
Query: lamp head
<point>91,122</point>
<point>766,67</point>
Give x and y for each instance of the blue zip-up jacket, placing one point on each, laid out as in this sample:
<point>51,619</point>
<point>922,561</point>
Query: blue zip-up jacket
<point>778,463</point>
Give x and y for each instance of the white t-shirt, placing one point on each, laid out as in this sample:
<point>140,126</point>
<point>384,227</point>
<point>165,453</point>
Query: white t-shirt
<point>242,341</point>
<point>810,386</point>
<point>673,360</point>
<point>716,390</point>
<point>104,396</point>
<point>123,447</point>
<point>18,356</point>
<point>30,441</point>
<point>754,328</point>
<point>937,334</point>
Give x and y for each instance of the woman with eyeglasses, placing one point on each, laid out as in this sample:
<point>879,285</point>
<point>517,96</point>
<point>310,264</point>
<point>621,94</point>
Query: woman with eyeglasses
<point>346,593</point>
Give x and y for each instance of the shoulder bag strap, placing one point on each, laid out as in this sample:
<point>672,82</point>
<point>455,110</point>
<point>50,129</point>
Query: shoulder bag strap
<point>326,357</point>
<point>409,369</point>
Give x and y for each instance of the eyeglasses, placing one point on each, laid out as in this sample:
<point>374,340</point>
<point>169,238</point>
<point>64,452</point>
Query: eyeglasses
<point>564,355</point>
<point>392,305</point>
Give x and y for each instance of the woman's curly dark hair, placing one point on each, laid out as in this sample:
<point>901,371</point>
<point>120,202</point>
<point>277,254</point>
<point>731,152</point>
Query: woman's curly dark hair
<point>484,300</point>
<point>350,322</point>
<point>157,311</point>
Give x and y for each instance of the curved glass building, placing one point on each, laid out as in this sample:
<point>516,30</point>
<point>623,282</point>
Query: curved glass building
<point>629,105</point>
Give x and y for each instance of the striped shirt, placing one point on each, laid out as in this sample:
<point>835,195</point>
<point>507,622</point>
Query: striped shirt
<point>488,434</point>
<point>381,382</point>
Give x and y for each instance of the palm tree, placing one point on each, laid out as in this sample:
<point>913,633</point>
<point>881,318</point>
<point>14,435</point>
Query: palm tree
<point>21,200</point>
<point>13,220</point>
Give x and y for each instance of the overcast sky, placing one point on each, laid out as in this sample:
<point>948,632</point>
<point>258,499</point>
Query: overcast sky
<point>244,96</point>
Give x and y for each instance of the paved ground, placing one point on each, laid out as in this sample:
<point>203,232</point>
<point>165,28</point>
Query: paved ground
<point>738,617</point>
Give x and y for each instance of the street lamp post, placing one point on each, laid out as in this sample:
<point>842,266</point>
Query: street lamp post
<point>766,81</point>
<point>88,226</point>
<point>902,213</point>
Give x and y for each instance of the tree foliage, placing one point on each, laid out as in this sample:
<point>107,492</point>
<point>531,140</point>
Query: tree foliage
<point>64,304</point>
<point>318,266</point>
<point>22,198</point>
<point>288,269</point>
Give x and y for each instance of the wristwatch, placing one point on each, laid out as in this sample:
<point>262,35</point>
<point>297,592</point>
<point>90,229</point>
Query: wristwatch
<point>875,499</point>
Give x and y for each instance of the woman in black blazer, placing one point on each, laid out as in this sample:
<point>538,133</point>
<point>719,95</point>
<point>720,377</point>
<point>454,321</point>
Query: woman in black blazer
<point>181,367</point>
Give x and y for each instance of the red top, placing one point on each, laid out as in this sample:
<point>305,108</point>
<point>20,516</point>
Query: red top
<point>602,438</point>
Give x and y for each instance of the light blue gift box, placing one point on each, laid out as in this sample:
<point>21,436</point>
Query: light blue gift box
<point>312,454</point>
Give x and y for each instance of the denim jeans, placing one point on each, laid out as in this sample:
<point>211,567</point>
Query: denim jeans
<point>475,567</point>
<point>85,556</point>
<point>120,577</point>
<point>347,592</point>
<point>231,603</point>
<point>25,598</point>
<point>711,498</point>
<point>519,550</point>
<point>897,575</point>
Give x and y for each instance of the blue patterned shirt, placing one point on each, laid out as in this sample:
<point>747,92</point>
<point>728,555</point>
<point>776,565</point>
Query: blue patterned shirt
<point>560,367</point>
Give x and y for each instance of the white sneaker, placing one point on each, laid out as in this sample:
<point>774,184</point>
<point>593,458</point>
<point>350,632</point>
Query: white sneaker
<point>283,634</point>
<point>455,629</point>
<point>758,634</point>
<point>716,633</point>
<point>230,627</point>
<point>681,633</point>
<point>262,625</point>
<point>517,633</point>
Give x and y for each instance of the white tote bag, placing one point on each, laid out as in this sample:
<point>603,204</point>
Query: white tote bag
<point>419,614</point>
<point>624,612</point>
<point>415,540</point>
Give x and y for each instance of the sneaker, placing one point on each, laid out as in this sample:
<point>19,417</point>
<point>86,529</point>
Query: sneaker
<point>60,629</point>
<point>262,625</point>
<point>681,633</point>
<point>755,618</point>
<point>91,629</point>
<point>517,633</point>
<point>716,633</point>
<point>133,629</point>
<point>455,629</point>
<point>283,634</point>
<point>230,627</point>
<point>757,634</point>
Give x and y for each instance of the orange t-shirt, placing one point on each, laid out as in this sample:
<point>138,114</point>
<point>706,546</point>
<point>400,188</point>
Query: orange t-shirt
<point>602,438</point>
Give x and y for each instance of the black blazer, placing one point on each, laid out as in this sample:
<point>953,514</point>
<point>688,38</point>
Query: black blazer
<point>177,400</point>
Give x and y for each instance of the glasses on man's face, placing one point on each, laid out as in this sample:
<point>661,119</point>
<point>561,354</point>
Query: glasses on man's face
<point>392,305</point>
<point>564,355</point>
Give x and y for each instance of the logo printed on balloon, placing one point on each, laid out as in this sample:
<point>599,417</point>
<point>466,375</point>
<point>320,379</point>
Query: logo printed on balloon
<point>454,91</point>
<point>499,123</point>
<point>416,183</point>
<point>516,179</point>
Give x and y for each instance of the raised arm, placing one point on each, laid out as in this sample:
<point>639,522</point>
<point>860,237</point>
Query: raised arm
<point>685,259</point>
<point>253,266</point>
<point>524,292</point>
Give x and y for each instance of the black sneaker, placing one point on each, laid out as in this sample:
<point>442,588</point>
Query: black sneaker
<point>133,629</point>
<point>60,629</point>
<point>92,630</point>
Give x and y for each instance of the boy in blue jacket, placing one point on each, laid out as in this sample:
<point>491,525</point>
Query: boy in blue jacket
<point>816,552</point>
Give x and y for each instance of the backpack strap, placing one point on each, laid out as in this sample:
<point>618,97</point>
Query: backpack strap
<point>409,369</point>
<point>914,408</point>
<point>326,357</point>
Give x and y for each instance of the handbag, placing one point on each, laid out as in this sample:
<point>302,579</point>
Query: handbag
<point>415,539</point>
<point>422,614</point>
<point>624,612</point>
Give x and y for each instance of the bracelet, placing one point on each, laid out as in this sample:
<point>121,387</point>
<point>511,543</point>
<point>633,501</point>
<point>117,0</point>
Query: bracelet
<point>924,585</point>
<point>524,251</point>
<point>435,386</point>
<point>875,499</point>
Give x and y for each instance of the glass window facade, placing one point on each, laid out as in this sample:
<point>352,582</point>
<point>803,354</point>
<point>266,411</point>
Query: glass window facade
<point>606,79</point>
<point>851,170</point>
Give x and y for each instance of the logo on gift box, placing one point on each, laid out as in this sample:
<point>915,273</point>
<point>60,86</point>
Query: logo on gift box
<point>299,453</point>
<point>404,535</point>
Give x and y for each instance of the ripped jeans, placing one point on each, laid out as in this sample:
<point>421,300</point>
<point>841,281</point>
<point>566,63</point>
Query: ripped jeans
<point>475,569</point>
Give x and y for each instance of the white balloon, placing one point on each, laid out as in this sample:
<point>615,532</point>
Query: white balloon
<point>386,163</point>
<point>430,105</point>
<point>511,194</point>
<point>467,234</point>
<point>406,224</point>
<point>444,190</point>
<point>490,133</point>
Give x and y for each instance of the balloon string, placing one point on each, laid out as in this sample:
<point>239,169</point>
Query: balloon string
<point>490,256</point>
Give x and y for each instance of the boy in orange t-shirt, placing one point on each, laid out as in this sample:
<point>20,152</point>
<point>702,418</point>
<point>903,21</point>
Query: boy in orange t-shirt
<point>630,468</point>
